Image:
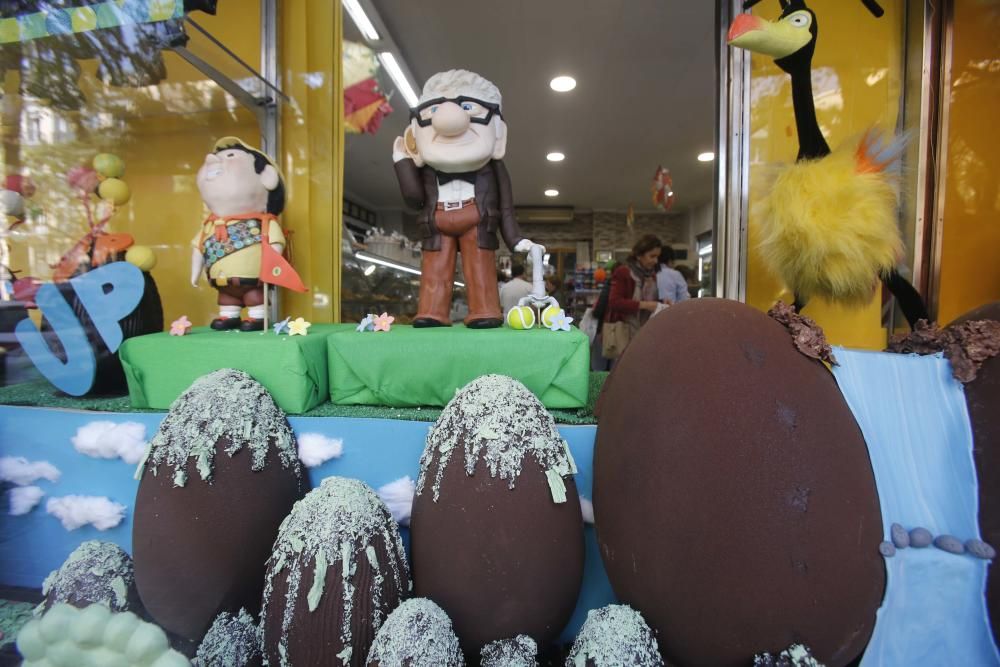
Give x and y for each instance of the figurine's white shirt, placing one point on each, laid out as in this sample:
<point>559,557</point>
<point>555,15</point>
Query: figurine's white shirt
<point>456,190</point>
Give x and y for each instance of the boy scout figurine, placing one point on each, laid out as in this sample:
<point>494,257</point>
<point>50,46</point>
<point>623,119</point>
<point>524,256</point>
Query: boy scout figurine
<point>449,167</point>
<point>240,244</point>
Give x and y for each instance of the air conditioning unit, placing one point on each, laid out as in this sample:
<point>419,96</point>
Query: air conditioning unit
<point>548,214</point>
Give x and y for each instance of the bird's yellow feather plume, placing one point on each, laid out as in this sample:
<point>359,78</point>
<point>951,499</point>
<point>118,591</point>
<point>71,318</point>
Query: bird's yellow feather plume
<point>828,227</point>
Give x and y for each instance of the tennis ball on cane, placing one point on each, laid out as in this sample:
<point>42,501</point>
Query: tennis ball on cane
<point>521,317</point>
<point>549,315</point>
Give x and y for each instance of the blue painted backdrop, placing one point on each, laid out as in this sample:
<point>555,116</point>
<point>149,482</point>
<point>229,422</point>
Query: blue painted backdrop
<point>376,451</point>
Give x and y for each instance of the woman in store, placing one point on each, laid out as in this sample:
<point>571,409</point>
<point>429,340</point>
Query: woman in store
<point>633,296</point>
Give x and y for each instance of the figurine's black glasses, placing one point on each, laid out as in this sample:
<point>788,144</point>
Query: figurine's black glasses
<point>479,111</point>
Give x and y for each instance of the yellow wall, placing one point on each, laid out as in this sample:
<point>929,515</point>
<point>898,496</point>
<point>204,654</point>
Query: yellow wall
<point>970,234</point>
<point>856,84</point>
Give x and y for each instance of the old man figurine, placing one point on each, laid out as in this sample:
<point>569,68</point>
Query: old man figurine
<point>449,166</point>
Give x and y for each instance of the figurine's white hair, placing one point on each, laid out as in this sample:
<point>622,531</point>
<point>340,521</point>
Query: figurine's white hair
<point>456,82</point>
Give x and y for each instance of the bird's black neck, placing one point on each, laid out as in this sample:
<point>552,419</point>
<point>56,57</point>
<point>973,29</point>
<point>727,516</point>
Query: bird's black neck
<point>812,145</point>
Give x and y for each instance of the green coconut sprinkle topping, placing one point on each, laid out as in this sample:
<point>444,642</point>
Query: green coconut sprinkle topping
<point>95,572</point>
<point>325,531</point>
<point>225,406</point>
<point>418,632</point>
<point>232,641</point>
<point>496,419</point>
<point>615,636</point>
<point>521,651</point>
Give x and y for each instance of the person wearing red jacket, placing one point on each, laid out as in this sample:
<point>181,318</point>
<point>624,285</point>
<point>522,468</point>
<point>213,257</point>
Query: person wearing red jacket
<point>633,295</point>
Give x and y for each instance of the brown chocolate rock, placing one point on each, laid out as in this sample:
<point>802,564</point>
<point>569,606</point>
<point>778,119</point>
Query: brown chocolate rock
<point>715,496</point>
<point>418,632</point>
<point>95,572</point>
<point>232,641</point>
<point>338,568</point>
<point>496,531</point>
<point>614,635</point>
<point>221,474</point>
<point>982,395</point>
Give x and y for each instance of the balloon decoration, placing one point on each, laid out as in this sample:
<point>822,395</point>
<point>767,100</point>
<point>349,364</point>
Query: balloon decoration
<point>663,189</point>
<point>365,105</point>
<point>101,178</point>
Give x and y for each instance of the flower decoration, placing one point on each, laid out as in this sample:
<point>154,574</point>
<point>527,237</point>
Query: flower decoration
<point>367,324</point>
<point>561,321</point>
<point>298,327</point>
<point>383,322</point>
<point>282,326</point>
<point>180,326</point>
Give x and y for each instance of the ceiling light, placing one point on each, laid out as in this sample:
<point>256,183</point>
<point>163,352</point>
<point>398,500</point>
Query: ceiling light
<point>370,269</point>
<point>364,257</point>
<point>563,84</point>
<point>555,157</point>
<point>707,156</point>
<point>551,192</point>
<point>396,73</point>
<point>361,20</point>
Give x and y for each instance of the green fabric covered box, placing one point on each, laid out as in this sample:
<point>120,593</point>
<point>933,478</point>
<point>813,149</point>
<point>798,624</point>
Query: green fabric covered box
<point>160,367</point>
<point>415,367</point>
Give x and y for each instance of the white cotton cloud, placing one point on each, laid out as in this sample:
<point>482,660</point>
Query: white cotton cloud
<point>21,471</point>
<point>398,497</point>
<point>76,511</point>
<point>108,440</point>
<point>587,509</point>
<point>316,448</point>
<point>24,498</point>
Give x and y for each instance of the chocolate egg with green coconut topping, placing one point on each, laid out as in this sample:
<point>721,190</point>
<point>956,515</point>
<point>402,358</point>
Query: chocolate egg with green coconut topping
<point>496,531</point>
<point>336,571</point>
<point>614,635</point>
<point>220,475</point>
<point>95,572</point>
<point>734,498</point>
<point>417,632</point>
<point>234,640</point>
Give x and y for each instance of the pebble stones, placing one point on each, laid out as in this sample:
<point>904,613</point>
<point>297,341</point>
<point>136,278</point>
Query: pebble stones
<point>232,641</point>
<point>887,549</point>
<point>780,465</point>
<point>980,549</point>
<point>496,530</point>
<point>521,651</point>
<point>418,632</point>
<point>336,571</point>
<point>614,636</point>
<point>900,538</point>
<point>95,572</point>
<point>920,538</point>
<point>220,474</point>
<point>949,544</point>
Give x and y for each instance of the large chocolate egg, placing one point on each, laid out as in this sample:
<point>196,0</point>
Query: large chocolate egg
<point>734,499</point>
<point>220,475</point>
<point>496,532</point>
<point>983,398</point>
<point>337,570</point>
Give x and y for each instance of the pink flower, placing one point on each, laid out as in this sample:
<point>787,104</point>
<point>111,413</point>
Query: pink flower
<point>180,326</point>
<point>383,322</point>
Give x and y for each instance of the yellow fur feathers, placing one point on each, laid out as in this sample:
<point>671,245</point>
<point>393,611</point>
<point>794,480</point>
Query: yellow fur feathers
<point>828,227</point>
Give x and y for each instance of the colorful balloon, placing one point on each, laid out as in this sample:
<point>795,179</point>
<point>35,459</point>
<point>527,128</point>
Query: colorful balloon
<point>11,203</point>
<point>115,191</point>
<point>109,165</point>
<point>83,178</point>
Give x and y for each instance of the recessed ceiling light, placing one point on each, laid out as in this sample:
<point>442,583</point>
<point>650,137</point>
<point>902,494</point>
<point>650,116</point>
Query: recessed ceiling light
<point>707,156</point>
<point>370,269</point>
<point>563,84</point>
<point>551,192</point>
<point>555,157</point>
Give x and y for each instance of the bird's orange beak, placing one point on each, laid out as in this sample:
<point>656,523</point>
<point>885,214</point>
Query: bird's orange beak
<point>743,24</point>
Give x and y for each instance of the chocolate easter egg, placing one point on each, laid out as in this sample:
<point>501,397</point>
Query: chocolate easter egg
<point>418,632</point>
<point>734,499</point>
<point>95,572</point>
<point>982,395</point>
<point>614,635</point>
<point>520,651</point>
<point>337,570</point>
<point>232,641</point>
<point>220,475</point>
<point>496,531</point>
